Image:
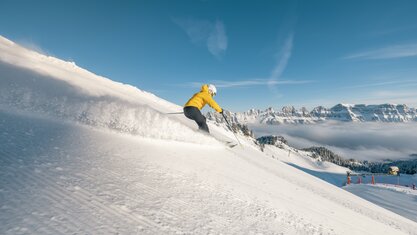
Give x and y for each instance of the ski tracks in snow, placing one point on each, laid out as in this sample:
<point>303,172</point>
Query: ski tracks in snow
<point>82,183</point>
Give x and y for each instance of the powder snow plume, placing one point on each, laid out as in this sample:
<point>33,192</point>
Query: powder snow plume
<point>45,85</point>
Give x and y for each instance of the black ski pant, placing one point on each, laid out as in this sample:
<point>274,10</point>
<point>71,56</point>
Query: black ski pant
<point>194,113</point>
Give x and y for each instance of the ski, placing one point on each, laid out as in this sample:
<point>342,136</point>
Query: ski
<point>230,144</point>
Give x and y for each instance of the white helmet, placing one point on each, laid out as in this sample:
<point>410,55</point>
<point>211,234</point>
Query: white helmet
<point>212,89</point>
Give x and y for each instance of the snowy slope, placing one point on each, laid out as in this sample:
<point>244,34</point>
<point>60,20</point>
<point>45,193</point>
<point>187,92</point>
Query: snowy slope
<point>82,154</point>
<point>399,199</point>
<point>52,87</point>
<point>302,160</point>
<point>386,192</point>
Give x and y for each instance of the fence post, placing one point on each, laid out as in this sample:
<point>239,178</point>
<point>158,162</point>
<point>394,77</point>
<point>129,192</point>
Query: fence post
<point>373,179</point>
<point>348,177</point>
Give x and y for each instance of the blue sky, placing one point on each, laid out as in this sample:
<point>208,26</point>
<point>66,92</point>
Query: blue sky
<point>258,53</point>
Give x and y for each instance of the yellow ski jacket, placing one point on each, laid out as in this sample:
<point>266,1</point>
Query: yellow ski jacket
<point>202,98</point>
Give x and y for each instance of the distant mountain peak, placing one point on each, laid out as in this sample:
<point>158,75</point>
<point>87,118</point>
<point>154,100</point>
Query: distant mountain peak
<point>340,112</point>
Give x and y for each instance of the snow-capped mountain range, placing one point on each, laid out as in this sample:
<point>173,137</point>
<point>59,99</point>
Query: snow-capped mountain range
<point>340,112</point>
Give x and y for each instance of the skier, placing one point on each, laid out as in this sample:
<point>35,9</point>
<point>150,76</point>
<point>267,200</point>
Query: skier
<point>197,102</point>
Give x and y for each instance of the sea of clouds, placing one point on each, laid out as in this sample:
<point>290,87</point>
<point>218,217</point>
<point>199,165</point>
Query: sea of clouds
<point>362,141</point>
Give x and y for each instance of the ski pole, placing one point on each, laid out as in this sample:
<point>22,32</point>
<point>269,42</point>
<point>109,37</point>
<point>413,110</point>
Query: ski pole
<point>230,127</point>
<point>175,113</point>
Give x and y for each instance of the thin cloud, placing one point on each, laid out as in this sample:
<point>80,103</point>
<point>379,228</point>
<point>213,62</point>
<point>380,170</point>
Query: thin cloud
<point>258,82</point>
<point>285,55</point>
<point>203,32</point>
<point>396,30</point>
<point>217,41</point>
<point>248,83</point>
<point>408,97</point>
<point>390,52</point>
<point>283,58</point>
<point>378,84</point>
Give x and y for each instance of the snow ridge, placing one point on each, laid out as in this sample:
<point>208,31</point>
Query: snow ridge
<point>50,87</point>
